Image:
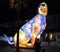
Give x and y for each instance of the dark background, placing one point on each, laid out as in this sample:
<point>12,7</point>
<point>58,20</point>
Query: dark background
<point>9,16</point>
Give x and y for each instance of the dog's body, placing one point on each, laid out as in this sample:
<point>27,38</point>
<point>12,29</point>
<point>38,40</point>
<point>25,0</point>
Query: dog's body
<point>36,25</point>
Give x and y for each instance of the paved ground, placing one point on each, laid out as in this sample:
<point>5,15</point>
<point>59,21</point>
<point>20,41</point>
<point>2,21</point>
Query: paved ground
<point>8,49</point>
<point>47,48</point>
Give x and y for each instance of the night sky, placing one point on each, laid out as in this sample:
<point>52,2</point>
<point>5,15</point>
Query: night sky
<point>9,17</point>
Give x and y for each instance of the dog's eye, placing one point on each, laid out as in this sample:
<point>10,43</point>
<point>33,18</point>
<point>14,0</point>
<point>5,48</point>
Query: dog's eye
<point>43,5</point>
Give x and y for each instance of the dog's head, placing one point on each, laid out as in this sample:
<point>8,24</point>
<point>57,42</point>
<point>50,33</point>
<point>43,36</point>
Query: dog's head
<point>43,9</point>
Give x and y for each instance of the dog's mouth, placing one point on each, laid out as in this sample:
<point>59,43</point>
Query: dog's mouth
<point>44,9</point>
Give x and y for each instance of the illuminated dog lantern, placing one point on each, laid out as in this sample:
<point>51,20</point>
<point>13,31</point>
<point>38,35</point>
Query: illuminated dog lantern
<point>32,29</point>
